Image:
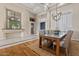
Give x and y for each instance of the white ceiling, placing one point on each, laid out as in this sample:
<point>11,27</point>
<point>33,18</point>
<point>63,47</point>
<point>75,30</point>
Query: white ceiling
<point>38,7</point>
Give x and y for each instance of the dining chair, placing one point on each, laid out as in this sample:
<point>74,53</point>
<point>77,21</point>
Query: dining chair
<point>66,42</point>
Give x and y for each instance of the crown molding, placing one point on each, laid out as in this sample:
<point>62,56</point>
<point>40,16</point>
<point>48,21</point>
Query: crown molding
<point>54,7</point>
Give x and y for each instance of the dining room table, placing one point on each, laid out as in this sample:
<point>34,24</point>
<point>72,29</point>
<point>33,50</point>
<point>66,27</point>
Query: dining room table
<point>56,36</point>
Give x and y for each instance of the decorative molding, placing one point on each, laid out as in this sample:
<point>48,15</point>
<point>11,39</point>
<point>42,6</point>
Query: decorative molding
<point>53,8</point>
<point>12,31</point>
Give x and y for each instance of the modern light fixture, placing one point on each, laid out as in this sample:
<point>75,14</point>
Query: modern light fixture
<point>57,15</point>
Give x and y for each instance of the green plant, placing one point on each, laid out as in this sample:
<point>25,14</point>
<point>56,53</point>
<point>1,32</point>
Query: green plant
<point>14,24</point>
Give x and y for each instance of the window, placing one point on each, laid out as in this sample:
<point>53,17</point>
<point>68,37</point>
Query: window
<point>42,26</point>
<point>65,23</point>
<point>13,19</point>
<point>43,22</point>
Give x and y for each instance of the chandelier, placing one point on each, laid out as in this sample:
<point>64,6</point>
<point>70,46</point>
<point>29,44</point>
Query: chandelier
<point>57,15</point>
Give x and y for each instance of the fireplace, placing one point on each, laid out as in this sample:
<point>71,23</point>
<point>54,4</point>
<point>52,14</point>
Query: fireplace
<point>13,33</point>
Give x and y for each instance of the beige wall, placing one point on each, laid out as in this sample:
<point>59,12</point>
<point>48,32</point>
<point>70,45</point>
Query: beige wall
<point>24,18</point>
<point>74,8</point>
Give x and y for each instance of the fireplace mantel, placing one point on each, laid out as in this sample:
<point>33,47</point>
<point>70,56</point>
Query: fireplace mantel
<point>12,31</point>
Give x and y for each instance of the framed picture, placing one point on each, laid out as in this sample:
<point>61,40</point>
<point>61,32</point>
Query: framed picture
<point>13,19</point>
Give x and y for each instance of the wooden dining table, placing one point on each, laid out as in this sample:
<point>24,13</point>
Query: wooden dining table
<point>53,36</point>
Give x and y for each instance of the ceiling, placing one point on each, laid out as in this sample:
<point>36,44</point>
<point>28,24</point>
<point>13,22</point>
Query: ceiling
<point>38,7</point>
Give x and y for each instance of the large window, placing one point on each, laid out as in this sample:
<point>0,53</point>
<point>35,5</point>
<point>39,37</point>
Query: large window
<point>13,19</point>
<point>65,23</point>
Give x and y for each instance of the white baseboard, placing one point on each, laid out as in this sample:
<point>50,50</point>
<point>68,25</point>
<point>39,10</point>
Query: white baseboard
<point>76,39</point>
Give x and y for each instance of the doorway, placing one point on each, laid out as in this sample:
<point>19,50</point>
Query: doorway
<point>32,28</point>
<point>32,21</point>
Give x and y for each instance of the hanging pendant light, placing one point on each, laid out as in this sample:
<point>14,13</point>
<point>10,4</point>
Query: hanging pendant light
<point>57,15</point>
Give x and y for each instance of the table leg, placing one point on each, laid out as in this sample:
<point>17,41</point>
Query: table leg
<point>57,47</point>
<point>40,42</point>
